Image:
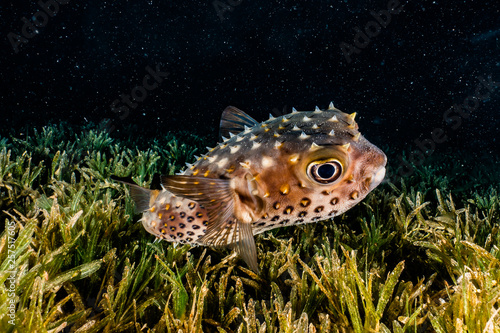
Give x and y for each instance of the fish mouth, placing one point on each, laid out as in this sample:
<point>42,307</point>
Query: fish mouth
<point>377,178</point>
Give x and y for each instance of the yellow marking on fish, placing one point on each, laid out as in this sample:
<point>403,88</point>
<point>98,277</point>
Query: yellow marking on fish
<point>160,215</point>
<point>152,209</point>
<point>195,172</point>
<point>357,136</point>
<point>278,144</point>
<point>305,202</point>
<point>354,195</point>
<point>284,189</point>
<point>206,173</point>
<point>231,169</point>
<point>294,158</point>
<point>167,206</point>
<point>178,204</point>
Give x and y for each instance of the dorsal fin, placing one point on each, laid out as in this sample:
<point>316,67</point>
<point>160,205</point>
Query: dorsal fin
<point>218,198</point>
<point>233,120</point>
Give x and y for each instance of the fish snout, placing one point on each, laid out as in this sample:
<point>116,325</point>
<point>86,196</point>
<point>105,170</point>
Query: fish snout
<point>377,178</point>
<point>379,172</point>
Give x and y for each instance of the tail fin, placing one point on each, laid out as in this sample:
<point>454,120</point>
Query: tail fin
<point>140,195</point>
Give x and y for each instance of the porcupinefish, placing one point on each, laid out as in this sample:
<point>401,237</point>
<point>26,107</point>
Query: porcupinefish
<point>298,168</point>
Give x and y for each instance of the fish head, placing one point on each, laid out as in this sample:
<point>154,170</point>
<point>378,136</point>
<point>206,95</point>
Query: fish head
<point>322,168</point>
<point>338,176</point>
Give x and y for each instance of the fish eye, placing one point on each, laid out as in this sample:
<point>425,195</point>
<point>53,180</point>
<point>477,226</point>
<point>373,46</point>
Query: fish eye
<point>325,172</point>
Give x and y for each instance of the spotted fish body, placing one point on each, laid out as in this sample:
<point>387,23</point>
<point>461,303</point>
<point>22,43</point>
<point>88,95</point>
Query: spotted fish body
<point>298,168</point>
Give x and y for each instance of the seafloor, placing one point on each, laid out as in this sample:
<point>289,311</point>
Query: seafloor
<point>419,254</point>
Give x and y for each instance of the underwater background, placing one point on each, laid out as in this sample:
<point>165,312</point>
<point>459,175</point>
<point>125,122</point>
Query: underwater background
<point>136,89</point>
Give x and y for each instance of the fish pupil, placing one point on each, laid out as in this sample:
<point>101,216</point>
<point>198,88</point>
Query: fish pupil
<point>326,171</point>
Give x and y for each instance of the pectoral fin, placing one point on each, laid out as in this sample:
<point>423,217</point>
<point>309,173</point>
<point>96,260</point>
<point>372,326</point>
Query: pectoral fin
<point>218,198</point>
<point>213,194</point>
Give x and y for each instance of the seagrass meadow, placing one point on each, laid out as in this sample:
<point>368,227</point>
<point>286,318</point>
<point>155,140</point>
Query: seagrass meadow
<point>420,254</point>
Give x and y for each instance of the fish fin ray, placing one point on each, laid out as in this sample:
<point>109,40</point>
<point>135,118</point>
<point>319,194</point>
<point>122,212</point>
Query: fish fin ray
<point>213,194</point>
<point>245,246</point>
<point>220,234</point>
<point>234,120</point>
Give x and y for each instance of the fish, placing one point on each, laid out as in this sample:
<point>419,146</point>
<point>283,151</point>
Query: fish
<point>301,167</point>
